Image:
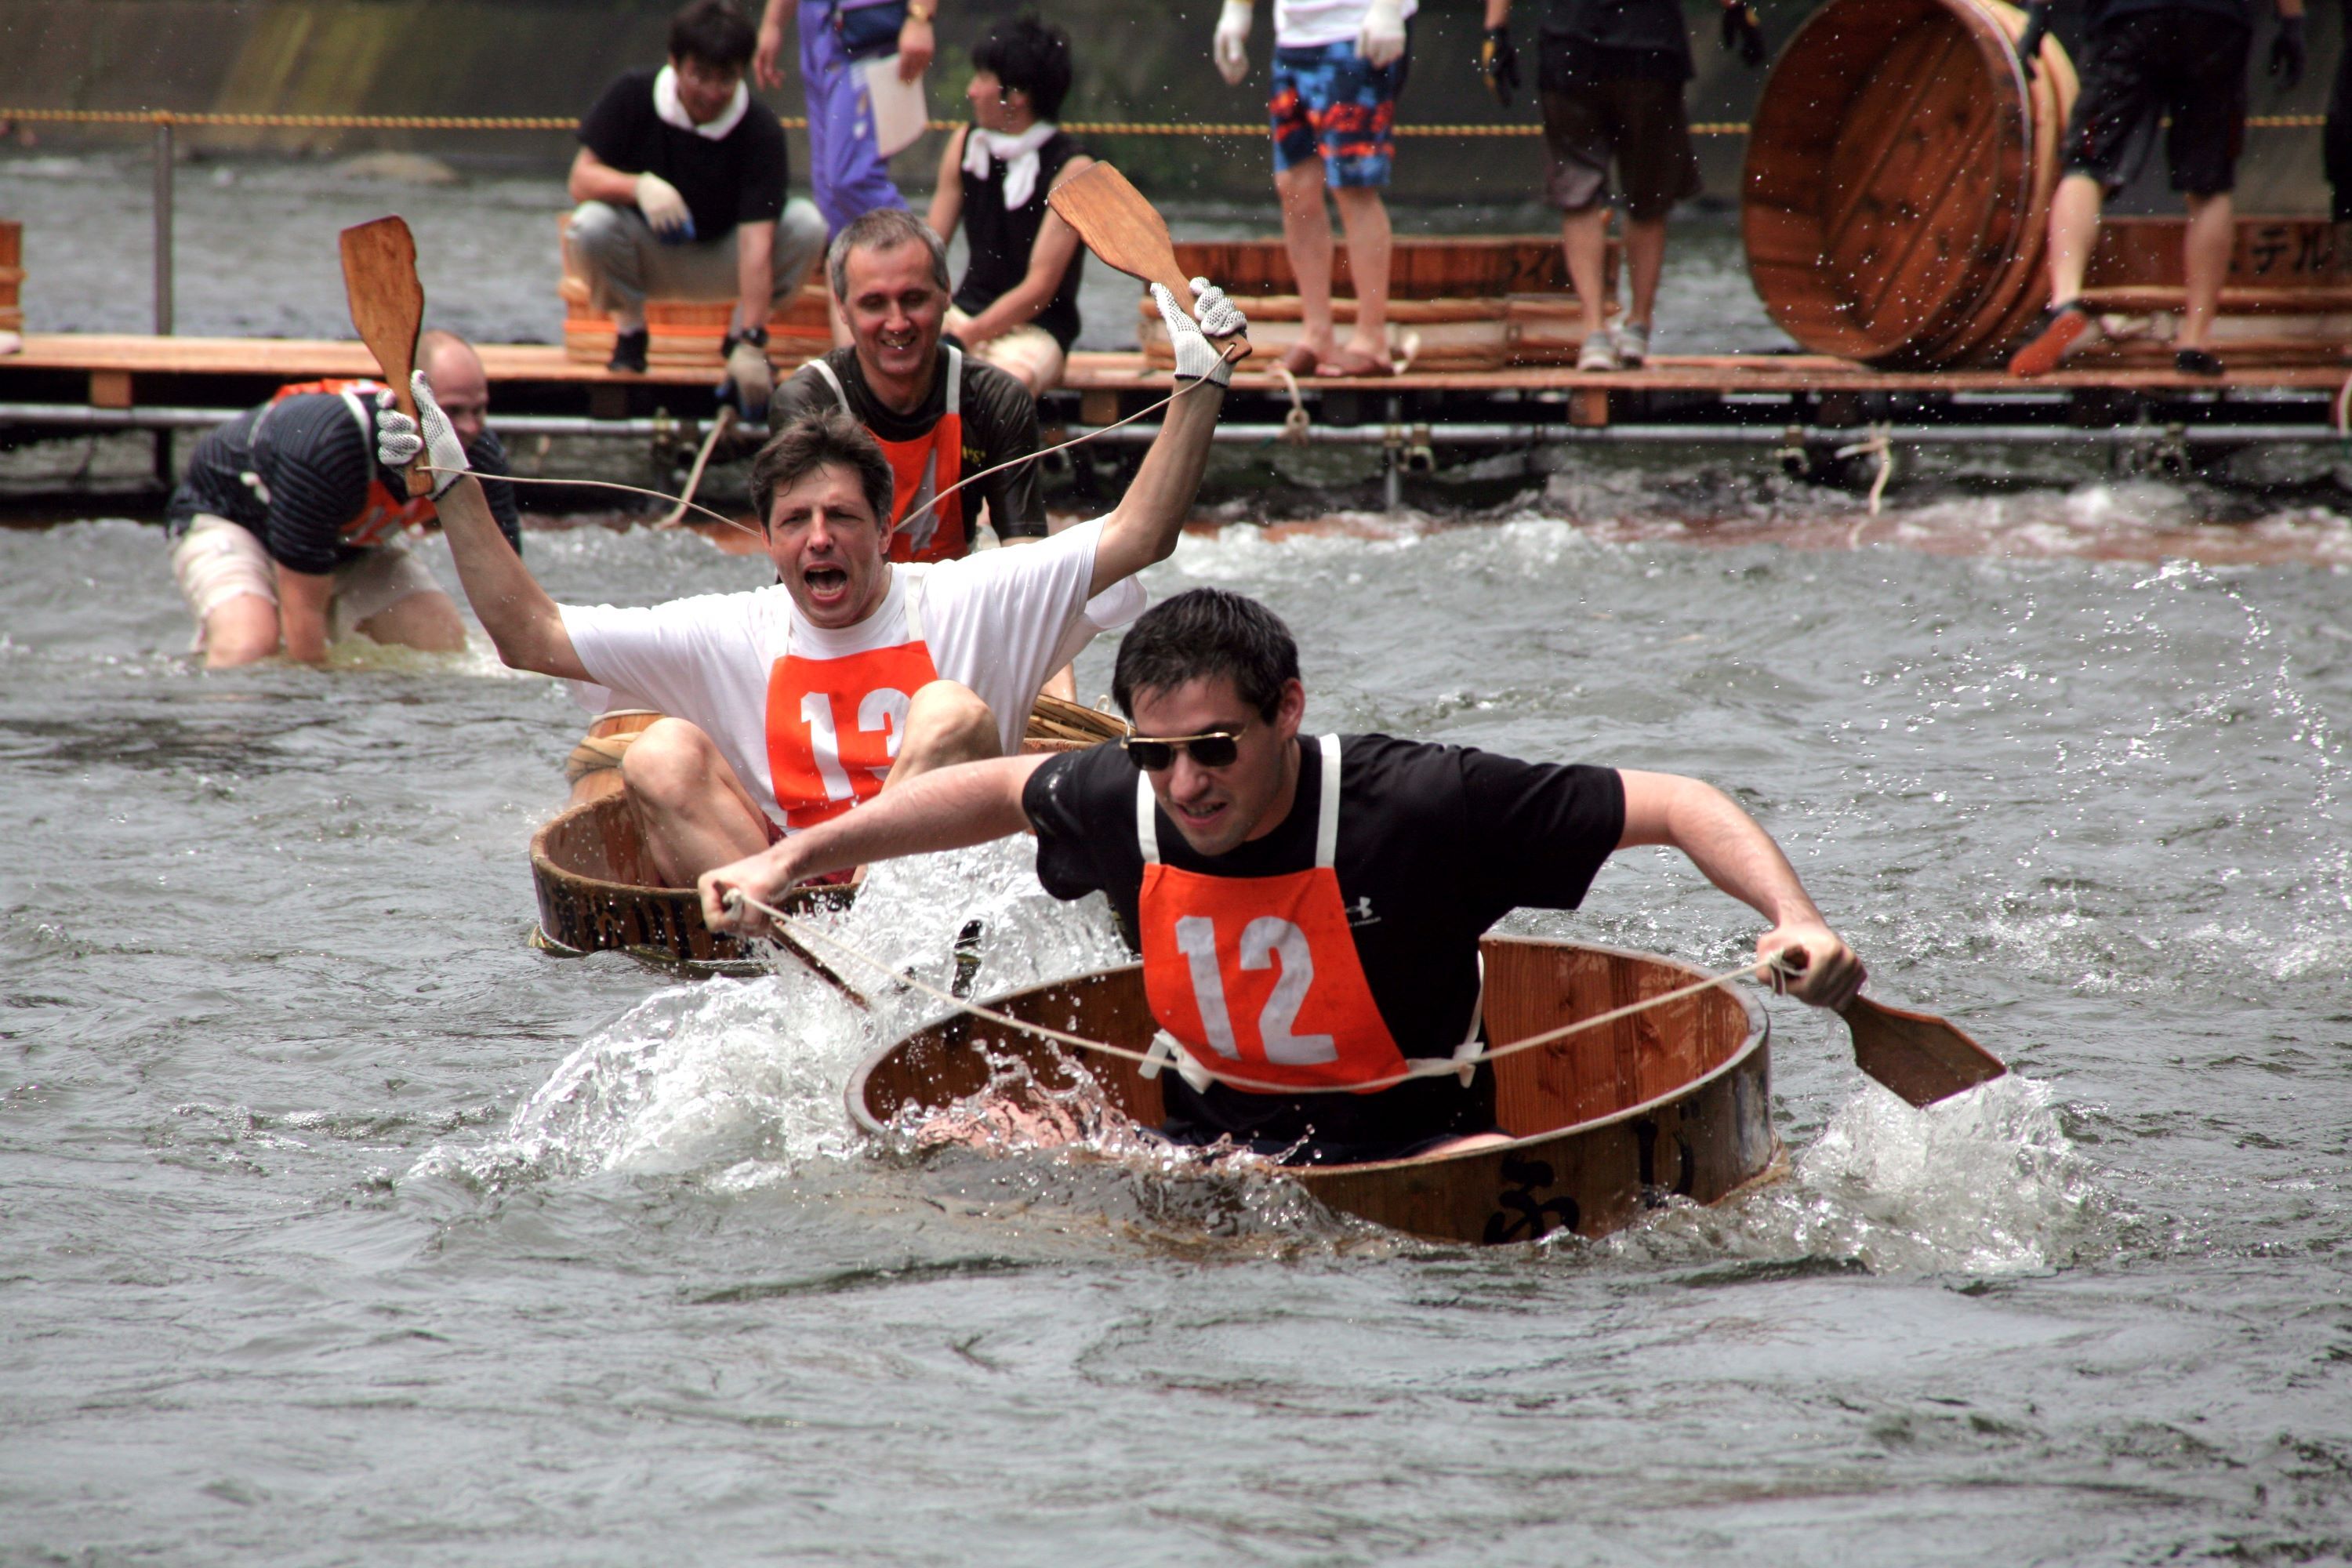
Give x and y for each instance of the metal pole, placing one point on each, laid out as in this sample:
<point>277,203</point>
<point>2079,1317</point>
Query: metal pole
<point>1393,458</point>
<point>162,224</point>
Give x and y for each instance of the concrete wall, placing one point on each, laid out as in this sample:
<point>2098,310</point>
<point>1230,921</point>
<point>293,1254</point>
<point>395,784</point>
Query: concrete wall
<point>1138,59</point>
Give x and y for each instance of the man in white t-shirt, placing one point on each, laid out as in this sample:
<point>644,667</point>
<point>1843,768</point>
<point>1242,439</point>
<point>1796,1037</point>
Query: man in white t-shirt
<point>1339,66</point>
<point>790,704</point>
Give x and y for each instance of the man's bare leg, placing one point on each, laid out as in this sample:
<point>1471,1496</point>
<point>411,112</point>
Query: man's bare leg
<point>2205,257</point>
<point>694,812</point>
<point>1370,244</point>
<point>2073,230</point>
<point>1306,234</point>
<point>427,620</point>
<point>1584,241</point>
<point>947,723</point>
<point>1646,260</point>
<point>240,631</point>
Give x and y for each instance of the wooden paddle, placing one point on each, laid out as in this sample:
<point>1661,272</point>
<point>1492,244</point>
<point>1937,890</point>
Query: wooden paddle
<point>1121,225</point>
<point>388,308</point>
<point>1920,1056</point>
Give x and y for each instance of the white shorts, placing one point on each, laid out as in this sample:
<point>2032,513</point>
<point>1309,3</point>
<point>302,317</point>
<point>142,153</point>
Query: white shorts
<point>1028,352</point>
<point>216,559</point>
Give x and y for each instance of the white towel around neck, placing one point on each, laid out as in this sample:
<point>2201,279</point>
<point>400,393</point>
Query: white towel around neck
<point>672,113</point>
<point>1017,153</point>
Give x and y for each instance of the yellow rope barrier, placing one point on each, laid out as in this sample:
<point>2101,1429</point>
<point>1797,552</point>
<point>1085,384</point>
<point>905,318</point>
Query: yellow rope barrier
<point>793,122</point>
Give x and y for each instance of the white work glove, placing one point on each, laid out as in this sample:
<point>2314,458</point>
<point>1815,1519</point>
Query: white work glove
<point>663,207</point>
<point>1196,356</point>
<point>1382,43</point>
<point>1231,49</point>
<point>396,442</point>
<point>749,381</point>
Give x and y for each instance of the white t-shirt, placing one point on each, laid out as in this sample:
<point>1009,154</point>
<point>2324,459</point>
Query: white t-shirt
<point>999,622</point>
<point>1309,24</point>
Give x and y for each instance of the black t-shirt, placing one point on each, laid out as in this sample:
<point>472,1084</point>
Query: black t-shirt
<point>312,463</point>
<point>1001,241</point>
<point>740,178</point>
<point>999,424</point>
<point>1586,41</point>
<point>2105,11</point>
<point>1436,844</point>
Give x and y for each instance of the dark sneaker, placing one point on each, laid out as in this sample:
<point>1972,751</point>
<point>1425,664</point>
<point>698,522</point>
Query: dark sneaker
<point>629,350</point>
<point>2195,361</point>
<point>2064,328</point>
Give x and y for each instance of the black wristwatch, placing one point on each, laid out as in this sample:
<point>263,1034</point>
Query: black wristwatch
<point>756,336</point>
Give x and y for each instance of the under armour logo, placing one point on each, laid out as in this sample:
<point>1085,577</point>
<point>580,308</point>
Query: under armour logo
<point>1360,913</point>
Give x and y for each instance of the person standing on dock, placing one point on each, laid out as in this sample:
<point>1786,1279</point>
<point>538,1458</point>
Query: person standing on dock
<point>2147,59</point>
<point>1309,911</point>
<point>790,704</point>
<point>287,534</point>
<point>680,180</point>
<point>848,170</point>
<point>1338,66</point>
<point>1017,308</point>
<point>1611,74</point>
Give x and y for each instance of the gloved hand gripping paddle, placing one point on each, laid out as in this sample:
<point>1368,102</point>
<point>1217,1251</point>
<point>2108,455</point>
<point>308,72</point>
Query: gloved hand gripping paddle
<point>388,308</point>
<point>1120,226</point>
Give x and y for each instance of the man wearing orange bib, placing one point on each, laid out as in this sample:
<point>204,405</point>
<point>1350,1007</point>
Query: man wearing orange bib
<point>287,534</point>
<point>789,705</point>
<point>1308,910</point>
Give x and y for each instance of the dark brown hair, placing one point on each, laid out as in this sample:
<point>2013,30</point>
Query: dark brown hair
<point>715,32</point>
<point>1206,632</point>
<point>813,441</point>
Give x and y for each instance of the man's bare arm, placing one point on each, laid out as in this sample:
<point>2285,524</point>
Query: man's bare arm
<point>949,808</point>
<point>302,601</point>
<point>947,195</point>
<point>755,273</point>
<point>1143,529</point>
<point>1738,856</point>
<point>522,621</point>
<point>595,180</point>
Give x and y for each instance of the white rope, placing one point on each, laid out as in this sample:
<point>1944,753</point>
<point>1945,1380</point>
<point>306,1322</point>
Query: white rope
<point>1419,1067</point>
<point>718,427</point>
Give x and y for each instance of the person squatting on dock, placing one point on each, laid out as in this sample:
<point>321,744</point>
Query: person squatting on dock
<point>1611,75</point>
<point>793,703</point>
<point>286,533</point>
<point>680,180</point>
<point>1338,67</point>
<point>1309,911</point>
<point>1017,307</point>
<point>2145,59</point>
<point>847,171</point>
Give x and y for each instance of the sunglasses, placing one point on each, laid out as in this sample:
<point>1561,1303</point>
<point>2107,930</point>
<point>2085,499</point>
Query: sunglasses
<point>1157,753</point>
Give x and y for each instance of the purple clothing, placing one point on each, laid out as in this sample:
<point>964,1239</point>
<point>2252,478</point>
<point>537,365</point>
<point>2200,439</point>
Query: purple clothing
<point>850,176</point>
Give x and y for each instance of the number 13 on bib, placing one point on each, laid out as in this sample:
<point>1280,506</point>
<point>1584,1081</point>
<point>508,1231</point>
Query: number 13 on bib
<point>834,726</point>
<point>1259,976</point>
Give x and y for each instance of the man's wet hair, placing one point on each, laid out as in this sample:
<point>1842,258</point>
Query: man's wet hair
<point>883,229</point>
<point>1032,56</point>
<point>715,32</point>
<point>1204,633</point>
<point>814,440</point>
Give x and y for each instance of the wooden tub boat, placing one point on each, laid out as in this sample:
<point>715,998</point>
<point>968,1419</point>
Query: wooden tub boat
<point>1676,1099</point>
<point>595,886</point>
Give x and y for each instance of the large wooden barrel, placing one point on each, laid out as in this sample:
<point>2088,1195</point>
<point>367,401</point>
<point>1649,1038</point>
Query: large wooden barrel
<point>1899,173</point>
<point>1674,1100</point>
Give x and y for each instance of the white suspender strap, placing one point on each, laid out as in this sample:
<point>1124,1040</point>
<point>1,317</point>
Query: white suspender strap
<point>955,379</point>
<point>366,416</point>
<point>1147,827</point>
<point>1466,1053</point>
<point>824,373</point>
<point>1327,820</point>
<point>914,605</point>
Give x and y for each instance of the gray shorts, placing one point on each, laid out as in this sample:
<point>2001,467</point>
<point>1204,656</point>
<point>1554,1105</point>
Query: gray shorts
<point>1641,123</point>
<point>216,559</point>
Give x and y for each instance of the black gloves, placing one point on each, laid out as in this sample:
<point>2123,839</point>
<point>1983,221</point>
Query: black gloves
<point>2288,54</point>
<point>1498,62</point>
<point>2029,42</point>
<point>1742,34</point>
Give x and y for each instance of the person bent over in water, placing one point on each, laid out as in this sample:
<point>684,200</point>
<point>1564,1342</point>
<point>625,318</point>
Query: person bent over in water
<point>286,533</point>
<point>1308,911</point>
<point>789,705</point>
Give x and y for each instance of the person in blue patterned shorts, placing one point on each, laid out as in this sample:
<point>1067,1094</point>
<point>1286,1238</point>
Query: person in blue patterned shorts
<point>1339,66</point>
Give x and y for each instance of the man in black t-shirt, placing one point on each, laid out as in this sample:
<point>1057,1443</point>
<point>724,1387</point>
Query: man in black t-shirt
<point>680,180</point>
<point>2145,59</point>
<point>1308,913</point>
<point>1610,74</point>
<point>287,532</point>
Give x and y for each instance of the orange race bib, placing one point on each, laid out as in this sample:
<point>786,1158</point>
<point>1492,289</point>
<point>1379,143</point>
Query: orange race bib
<point>834,726</point>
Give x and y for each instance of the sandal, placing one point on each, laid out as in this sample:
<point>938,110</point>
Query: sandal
<point>1347,362</point>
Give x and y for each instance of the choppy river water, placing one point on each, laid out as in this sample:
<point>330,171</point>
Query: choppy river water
<point>338,1226</point>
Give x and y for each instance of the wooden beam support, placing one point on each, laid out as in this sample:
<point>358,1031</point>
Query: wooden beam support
<point>110,389</point>
<point>1588,407</point>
